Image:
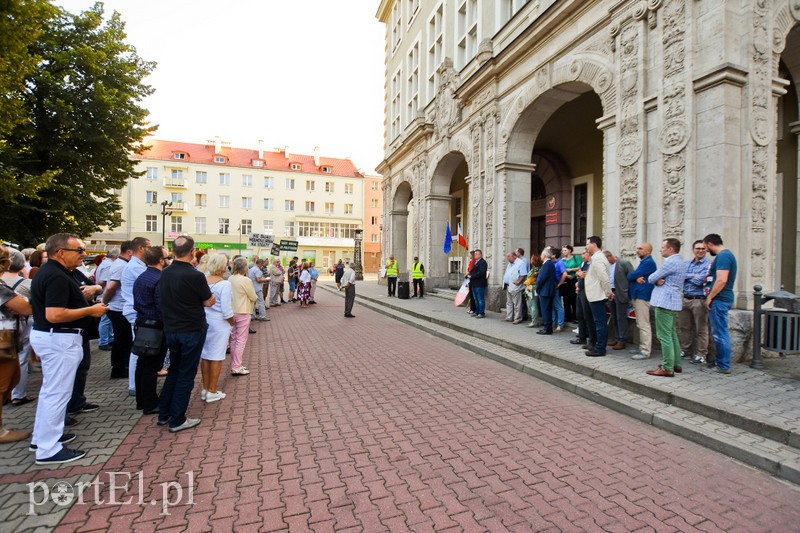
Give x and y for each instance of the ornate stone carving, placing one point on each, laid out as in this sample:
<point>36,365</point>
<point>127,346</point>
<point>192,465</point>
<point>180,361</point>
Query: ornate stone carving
<point>639,11</point>
<point>448,110</point>
<point>489,183</point>
<point>794,8</point>
<point>629,150</point>
<point>673,137</point>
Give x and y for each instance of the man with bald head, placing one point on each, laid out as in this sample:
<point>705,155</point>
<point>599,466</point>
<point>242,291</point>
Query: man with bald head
<point>640,291</point>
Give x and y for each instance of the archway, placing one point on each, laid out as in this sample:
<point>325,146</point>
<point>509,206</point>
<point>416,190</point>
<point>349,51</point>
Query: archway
<point>401,227</point>
<point>788,165</point>
<point>555,159</point>
<point>449,203</point>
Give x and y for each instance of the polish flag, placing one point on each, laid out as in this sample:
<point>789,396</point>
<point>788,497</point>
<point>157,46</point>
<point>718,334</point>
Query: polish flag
<point>461,240</point>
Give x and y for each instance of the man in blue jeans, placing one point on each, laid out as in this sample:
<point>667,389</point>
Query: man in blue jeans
<point>183,294</point>
<point>720,299</point>
<point>477,283</point>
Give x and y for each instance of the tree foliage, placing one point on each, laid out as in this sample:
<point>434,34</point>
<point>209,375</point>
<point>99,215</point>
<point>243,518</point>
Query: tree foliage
<point>82,121</point>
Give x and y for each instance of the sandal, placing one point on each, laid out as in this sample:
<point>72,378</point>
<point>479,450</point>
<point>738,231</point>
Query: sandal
<point>22,401</point>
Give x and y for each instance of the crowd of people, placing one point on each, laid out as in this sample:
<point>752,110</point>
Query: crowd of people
<point>599,291</point>
<point>159,311</point>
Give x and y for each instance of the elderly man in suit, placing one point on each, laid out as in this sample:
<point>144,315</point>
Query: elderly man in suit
<point>546,289</point>
<point>620,298</point>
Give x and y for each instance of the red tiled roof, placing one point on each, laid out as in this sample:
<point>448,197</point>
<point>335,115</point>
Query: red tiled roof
<point>243,157</point>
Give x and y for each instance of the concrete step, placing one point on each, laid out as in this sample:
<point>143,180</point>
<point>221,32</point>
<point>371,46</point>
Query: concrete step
<point>747,440</point>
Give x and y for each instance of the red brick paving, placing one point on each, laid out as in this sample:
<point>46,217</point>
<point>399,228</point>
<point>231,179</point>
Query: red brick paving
<point>369,425</point>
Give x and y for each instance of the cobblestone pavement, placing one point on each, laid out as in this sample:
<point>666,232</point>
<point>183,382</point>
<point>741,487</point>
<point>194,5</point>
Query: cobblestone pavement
<point>370,425</point>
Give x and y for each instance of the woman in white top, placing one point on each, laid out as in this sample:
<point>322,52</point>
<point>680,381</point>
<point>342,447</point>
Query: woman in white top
<point>304,289</point>
<point>220,322</point>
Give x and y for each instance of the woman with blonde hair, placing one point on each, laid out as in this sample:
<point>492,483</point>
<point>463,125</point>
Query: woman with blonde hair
<point>220,323</point>
<point>243,298</point>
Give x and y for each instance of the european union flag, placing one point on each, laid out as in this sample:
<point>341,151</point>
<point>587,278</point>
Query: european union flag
<point>448,239</point>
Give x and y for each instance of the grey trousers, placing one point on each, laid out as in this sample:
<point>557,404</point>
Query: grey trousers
<point>349,298</point>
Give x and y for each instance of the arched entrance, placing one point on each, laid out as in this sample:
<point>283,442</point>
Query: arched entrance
<point>788,166</point>
<point>449,203</point>
<point>401,228</point>
<point>557,141</point>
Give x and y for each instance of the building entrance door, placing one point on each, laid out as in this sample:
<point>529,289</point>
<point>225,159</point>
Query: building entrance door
<point>537,235</point>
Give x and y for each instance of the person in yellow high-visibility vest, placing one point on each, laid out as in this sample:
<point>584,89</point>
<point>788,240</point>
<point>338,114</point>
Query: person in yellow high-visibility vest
<point>418,276</point>
<point>391,275</point>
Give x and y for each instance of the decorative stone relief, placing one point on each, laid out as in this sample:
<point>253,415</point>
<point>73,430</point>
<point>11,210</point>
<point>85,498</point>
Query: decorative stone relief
<point>448,110</point>
<point>489,185</point>
<point>794,8</point>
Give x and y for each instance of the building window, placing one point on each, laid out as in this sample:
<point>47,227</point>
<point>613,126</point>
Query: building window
<point>348,188</point>
<point>326,230</point>
<point>200,200</point>
<point>258,163</point>
<point>288,205</point>
<point>224,201</point>
<point>327,170</point>
<point>466,32</point>
<point>374,237</point>
<point>269,227</point>
<point>201,176</point>
<point>152,173</point>
<point>177,199</point>
<point>374,220</point>
<point>580,213</point>
<point>269,204</point>
<point>329,186</point>
<point>309,207</point>
<point>152,197</point>
<point>219,159</point>
<point>200,225</point>
<point>394,131</point>
<point>177,175</point>
<point>310,185</point>
<point>295,166</point>
<point>374,202</point>
<point>435,49</point>
<point>348,209</point>
<point>246,226</point>
<point>288,229</point>
<point>224,226</point>
<point>179,155</point>
<point>509,8</point>
<point>176,225</point>
<point>247,202</point>
<point>289,184</point>
<point>412,83</point>
<point>412,8</point>
<point>151,223</point>
<point>376,185</point>
<point>224,178</point>
<point>397,26</point>
<point>328,208</point>
<point>269,182</point>
<point>247,180</point>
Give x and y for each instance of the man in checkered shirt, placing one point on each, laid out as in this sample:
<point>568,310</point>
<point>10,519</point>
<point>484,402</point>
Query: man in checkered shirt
<point>667,299</point>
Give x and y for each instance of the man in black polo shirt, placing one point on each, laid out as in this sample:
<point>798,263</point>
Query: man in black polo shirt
<point>184,293</point>
<point>60,314</point>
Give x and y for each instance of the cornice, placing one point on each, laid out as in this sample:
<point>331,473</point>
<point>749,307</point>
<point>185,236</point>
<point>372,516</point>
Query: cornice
<point>725,73</point>
<point>384,9</point>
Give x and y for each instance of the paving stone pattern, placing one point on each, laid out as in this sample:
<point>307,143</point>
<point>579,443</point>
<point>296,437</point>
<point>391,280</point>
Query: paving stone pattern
<point>367,424</point>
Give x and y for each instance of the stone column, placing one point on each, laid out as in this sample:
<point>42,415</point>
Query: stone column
<point>436,267</point>
<point>398,239</point>
<point>794,128</point>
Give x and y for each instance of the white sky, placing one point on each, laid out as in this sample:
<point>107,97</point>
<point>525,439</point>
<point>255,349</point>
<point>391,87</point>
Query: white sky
<point>297,73</point>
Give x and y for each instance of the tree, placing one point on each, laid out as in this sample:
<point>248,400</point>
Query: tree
<point>83,120</point>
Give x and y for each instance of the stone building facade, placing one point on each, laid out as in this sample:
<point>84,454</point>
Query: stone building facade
<point>544,122</point>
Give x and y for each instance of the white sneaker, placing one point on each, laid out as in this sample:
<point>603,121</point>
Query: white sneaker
<point>203,394</point>
<point>212,397</point>
<point>639,356</point>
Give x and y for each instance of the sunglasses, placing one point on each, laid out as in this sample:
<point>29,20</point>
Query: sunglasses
<point>79,250</point>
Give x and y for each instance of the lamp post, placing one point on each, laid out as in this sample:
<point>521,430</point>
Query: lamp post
<point>357,256</point>
<point>239,229</point>
<point>164,205</point>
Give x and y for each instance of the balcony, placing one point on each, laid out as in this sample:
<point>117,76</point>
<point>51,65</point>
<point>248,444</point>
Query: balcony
<point>178,206</point>
<point>175,183</point>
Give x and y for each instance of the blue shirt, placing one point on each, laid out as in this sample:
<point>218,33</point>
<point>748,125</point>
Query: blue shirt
<point>696,272</point>
<point>146,297</point>
<point>670,294</point>
<point>642,291</point>
<point>725,261</point>
<point>133,270</point>
<point>560,269</point>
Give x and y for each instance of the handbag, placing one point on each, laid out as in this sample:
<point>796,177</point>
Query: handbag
<point>9,343</point>
<point>148,338</point>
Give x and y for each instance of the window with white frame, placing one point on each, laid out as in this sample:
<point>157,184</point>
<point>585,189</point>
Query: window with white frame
<point>176,224</point>
<point>200,225</point>
<point>224,226</point>
<point>201,176</point>
<point>348,209</point>
<point>374,237</point>
<point>152,197</point>
<point>396,22</point>
<point>328,208</point>
<point>329,186</point>
<point>176,198</point>
<point>374,202</point>
<point>225,201</point>
<point>435,49</point>
<point>327,170</point>
<point>309,207</point>
<point>376,185</point>
<point>466,32</point>
<point>310,185</point>
<point>269,182</point>
<point>374,220</point>
<point>246,227</point>
<point>296,166</point>
<point>179,155</point>
<point>288,205</point>
<point>224,178</point>
<point>247,202</point>
<point>348,188</point>
<point>509,8</point>
<point>219,159</point>
<point>200,200</point>
<point>412,83</point>
<point>269,227</point>
<point>247,180</point>
<point>152,173</point>
<point>394,94</point>
<point>290,184</point>
<point>288,229</point>
<point>412,8</point>
<point>269,204</point>
<point>151,223</point>
<point>258,163</point>
<point>177,175</point>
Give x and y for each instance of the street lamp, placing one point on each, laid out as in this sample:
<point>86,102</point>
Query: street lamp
<point>164,205</point>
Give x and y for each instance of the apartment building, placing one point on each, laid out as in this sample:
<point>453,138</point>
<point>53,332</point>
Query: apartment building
<point>373,222</point>
<point>220,195</point>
